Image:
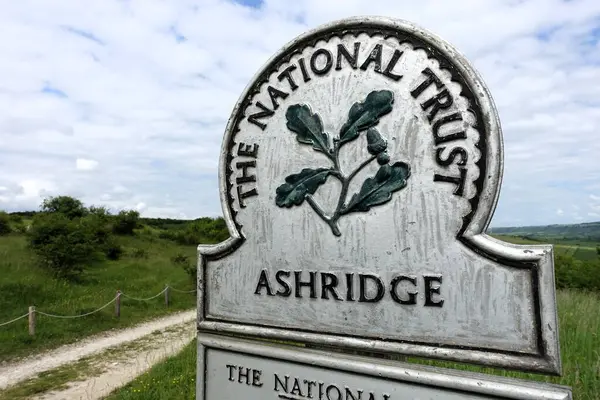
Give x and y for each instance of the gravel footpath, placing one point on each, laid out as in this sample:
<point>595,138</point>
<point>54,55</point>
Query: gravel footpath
<point>167,343</point>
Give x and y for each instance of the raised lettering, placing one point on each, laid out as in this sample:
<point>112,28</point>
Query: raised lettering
<point>374,56</point>
<point>303,70</point>
<point>431,79</point>
<point>256,373</point>
<point>412,296</point>
<point>244,165</point>
<point>299,284</point>
<point>349,287</point>
<point>263,282</point>
<point>244,150</point>
<point>459,181</point>
<point>244,195</point>
<point>393,61</point>
<point>266,112</point>
<point>429,290</point>
<point>275,94</point>
<point>447,138</point>
<point>287,74</point>
<point>440,101</point>
<point>455,152</point>
<point>287,289</point>
<point>350,395</point>
<point>278,383</point>
<point>328,284</point>
<point>342,51</point>
<point>328,62</point>
<point>231,369</point>
<point>337,391</point>
<point>363,288</point>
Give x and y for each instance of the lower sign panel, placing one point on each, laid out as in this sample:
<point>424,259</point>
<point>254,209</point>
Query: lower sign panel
<point>234,369</point>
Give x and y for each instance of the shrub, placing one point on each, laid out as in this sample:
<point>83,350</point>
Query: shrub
<point>126,222</point>
<point>4,223</point>
<point>577,274</point>
<point>69,206</point>
<point>62,245</point>
<point>113,250</point>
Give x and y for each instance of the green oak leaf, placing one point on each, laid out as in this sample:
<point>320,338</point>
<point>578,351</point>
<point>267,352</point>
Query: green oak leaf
<point>308,127</point>
<point>364,115</point>
<point>379,189</point>
<point>297,186</point>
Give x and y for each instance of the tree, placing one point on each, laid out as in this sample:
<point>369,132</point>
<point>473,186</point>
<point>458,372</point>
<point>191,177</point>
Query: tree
<point>126,222</point>
<point>66,205</point>
<point>4,223</point>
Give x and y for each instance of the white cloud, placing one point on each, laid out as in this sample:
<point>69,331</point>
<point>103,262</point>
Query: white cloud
<point>559,212</point>
<point>84,164</point>
<point>153,107</point>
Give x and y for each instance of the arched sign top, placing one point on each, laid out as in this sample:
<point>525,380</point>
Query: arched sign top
<point>303,61</point>
<point>358,173</point>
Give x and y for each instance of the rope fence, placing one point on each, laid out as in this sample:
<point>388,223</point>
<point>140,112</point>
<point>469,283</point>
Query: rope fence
<point>116,300</point>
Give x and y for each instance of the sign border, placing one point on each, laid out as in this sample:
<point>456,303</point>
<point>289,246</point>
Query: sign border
<point>538,259</point>
<point>451,380</point>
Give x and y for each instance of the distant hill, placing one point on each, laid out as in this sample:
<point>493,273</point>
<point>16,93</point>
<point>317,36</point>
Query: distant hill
<point>589,231</point>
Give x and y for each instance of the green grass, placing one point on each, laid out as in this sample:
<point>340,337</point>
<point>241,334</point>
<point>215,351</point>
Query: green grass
<point>579,322</point>
<point>174,379</point>
<point>142,272</point>
<point>580,250</point>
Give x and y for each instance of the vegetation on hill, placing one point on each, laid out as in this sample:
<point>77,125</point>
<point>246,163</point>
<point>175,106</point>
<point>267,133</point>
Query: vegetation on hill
<point>68,259</point>
<point>589,231</point>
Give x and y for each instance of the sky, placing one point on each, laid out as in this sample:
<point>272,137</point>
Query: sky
<point>123,103</point>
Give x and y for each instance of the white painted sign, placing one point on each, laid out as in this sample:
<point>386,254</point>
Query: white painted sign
<point>234,369</point>
<point>359,171</point>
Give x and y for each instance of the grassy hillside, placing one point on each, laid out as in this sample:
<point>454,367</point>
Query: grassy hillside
<point>69,260</point>
<point>589,231</point>
<point>142,271</point>
<point>578,249</point>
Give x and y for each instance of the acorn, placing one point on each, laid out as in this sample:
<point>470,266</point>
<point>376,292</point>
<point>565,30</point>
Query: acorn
<point>383,158</point>
<point>375,143</point>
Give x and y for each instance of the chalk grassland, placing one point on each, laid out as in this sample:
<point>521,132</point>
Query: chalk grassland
<point>143,271</point>
<point>580,349</point>
<point>578,249</point>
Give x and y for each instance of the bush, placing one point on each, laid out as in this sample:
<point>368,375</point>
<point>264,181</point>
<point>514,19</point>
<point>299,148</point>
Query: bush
<point>4,223</point>
<point>113,250</point>
<point>69,206</point>
<point>126,222</point>
<point>577,274</point>
<point>200,231</point>
<point>62,245</point>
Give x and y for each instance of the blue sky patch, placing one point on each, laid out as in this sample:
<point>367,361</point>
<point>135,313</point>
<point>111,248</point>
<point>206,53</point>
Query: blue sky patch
<point>250,3</point>
<point>49,89</point>
<point>83,34</point>
<point>179,37</point>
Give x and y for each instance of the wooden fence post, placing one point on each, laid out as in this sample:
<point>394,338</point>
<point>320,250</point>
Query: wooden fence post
<point>32,320</point>
<point>118,304</point>
<point>167,295</point>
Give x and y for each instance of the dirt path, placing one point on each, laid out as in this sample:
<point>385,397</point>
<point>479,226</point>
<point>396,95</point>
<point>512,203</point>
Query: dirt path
<point>126,363</point>
<point>167,342</point>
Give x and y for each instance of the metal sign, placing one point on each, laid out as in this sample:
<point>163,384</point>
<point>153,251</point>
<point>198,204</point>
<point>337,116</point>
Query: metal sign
<point>359,171</point>
<point>234,369</point>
